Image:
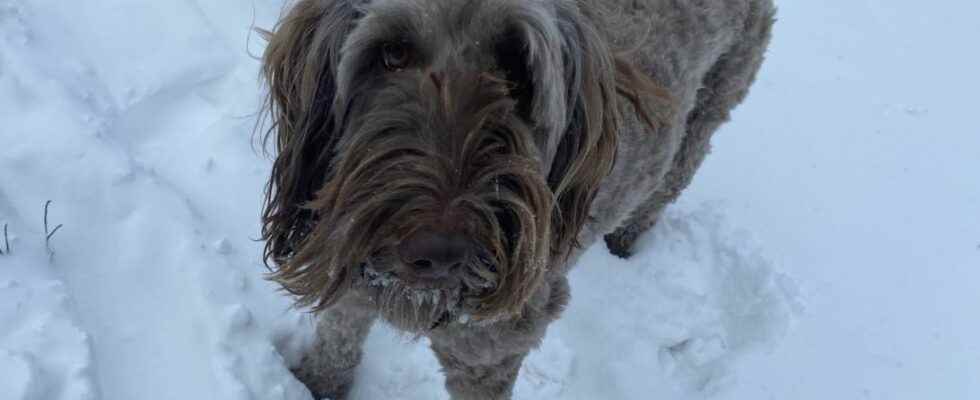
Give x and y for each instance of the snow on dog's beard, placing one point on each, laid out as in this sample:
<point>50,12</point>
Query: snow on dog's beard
<point>420,309</point>
<point>420,153</point>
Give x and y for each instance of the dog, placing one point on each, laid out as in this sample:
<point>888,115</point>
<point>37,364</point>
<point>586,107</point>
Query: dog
<point>441,164</point>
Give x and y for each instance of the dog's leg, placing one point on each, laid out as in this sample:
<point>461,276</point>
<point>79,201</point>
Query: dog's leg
<point>493,380</point>
<point>725,86</point>
<point>328,369</point>
<point>482,362</point>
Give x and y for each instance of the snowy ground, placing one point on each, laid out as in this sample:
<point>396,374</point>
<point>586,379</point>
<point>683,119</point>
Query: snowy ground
<point>829,249</point>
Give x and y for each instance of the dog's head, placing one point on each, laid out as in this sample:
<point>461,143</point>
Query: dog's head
<point>439,155</point>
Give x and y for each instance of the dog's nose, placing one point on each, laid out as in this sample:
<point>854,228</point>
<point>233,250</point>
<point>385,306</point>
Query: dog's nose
<point>431,254</point>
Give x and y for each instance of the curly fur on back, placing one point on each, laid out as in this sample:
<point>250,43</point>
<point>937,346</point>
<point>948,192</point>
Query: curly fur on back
<point>531,126</point>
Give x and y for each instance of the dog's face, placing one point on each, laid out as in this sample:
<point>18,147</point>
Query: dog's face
<point>440,156</point>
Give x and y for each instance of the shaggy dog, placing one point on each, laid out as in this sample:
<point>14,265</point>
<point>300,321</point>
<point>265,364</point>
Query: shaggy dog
<point>442,163</point>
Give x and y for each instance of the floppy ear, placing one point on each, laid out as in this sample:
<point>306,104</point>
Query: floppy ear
<point>299,66</point>
<point>596,79</point>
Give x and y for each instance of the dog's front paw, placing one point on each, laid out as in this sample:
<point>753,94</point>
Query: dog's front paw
<point>620,243</point>
<point>324,385</point>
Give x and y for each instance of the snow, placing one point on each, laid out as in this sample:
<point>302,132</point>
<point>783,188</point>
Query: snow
<point>829,248</point>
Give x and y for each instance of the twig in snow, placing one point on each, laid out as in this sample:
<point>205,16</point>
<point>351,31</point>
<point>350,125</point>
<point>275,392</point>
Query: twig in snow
<point>48,234</point>
<point>6,241</point>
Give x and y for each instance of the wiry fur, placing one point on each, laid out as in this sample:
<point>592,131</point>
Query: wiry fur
<point>531,126</point>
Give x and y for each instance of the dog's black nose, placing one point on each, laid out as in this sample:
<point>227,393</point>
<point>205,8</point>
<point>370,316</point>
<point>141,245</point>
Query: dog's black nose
<point>431,254</point>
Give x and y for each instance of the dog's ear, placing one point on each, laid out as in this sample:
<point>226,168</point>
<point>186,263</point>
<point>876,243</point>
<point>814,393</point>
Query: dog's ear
<point>299,66</point>
<point>596,77</point>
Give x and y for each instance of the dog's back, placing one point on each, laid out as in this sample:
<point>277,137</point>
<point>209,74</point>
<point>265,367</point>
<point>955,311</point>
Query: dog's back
<point>706,55</point>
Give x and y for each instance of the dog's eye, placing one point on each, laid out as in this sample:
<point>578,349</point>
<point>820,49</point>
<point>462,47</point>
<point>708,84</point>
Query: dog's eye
<point>395,55</point>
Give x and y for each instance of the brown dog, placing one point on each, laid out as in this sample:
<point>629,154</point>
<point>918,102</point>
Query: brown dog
<point>441,163</point>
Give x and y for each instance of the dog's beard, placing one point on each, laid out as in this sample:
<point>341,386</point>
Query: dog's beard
<point>420,309</point>
<point>409,308</point>
<point>404,165</point>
